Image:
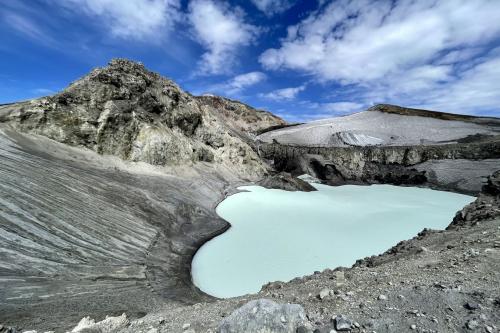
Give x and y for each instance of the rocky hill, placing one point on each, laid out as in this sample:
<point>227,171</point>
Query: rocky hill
<point>125,110</point>
<point>108,189</point>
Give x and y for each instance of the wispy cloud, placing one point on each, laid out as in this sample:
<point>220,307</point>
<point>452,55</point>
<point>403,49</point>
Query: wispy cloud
<point>285,94</point>
<point>137,19</point>
<point>410,52</point>
<point>222,31</point>
<point>29,28</point>
<point>43,91</point>
<point>238,83</point>
<point>271,7</point>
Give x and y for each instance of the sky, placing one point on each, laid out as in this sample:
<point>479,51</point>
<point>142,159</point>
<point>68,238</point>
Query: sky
<point>300,59</point>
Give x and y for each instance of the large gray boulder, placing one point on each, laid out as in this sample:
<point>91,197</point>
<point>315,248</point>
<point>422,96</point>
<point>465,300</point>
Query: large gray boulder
<point>264,316</point>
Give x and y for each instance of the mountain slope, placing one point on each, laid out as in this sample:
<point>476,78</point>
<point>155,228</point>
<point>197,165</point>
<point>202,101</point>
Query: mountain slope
<point>125,110</point>
<point>387,125</point>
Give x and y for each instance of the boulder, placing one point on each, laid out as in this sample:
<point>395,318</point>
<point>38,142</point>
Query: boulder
<point>285,181</point>
<point>108,325</point>
<point>264,316</point>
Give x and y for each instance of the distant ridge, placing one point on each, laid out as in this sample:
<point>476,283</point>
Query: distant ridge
<point>396,109</point>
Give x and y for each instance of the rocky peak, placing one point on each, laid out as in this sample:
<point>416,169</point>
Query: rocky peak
<point>125,110</point>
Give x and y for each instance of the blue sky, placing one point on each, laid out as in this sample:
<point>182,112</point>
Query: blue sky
<point>301,59</point>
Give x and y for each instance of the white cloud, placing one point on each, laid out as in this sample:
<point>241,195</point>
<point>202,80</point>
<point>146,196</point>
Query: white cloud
<point>407,51</point>
<point>138,19</point>
<point>270,7</point>
<point>222,31</point>
<point>476,90</point>
<point>285,94</point>
<point>358,41</point>
<point>239,83</point>
<point>43,91</point>
<point>28,27</point>
<point>313,110</point>
<point>341,107</point>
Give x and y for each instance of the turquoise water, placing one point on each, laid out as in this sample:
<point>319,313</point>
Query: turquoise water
<point>279,235</point>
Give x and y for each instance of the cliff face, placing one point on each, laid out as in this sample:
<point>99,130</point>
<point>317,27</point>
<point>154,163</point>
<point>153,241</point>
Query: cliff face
<point>486,207</point>
<point>125,110</point>
<point>427,165</point>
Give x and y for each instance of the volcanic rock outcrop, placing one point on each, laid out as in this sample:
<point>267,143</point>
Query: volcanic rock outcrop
<point>125,110</point>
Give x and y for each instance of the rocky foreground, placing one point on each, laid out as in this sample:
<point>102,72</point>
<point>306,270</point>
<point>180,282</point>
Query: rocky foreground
<point>440,281</point>
<point>108,188</point>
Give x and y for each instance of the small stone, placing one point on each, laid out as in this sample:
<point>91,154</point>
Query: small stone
<point>302,329</point>
<point>324,293</point>
<point>471,306</point>
<point>382,298</point>
<point>488,329</point>
<point>342,323</point>
<point>413,327</point>
<point>472,324</point>
<point>153,330</point>
<point>283,319</point>
<point>186,326</point>
<point>356,324</point>
<point>401,297</point>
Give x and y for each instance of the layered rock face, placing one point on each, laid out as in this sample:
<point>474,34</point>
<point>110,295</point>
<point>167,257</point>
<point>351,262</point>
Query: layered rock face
<point>125,110</point>
<point>486,206</point>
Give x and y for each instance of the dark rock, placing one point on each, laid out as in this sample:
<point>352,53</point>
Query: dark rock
<point>492,186</point>
<point>341,323</point>
<point>285,181</point>
<point>302,329</point>
<point>486,206</point>
<point>471,306</point>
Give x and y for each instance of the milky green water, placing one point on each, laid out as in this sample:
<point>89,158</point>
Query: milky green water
<point>279,235</point>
